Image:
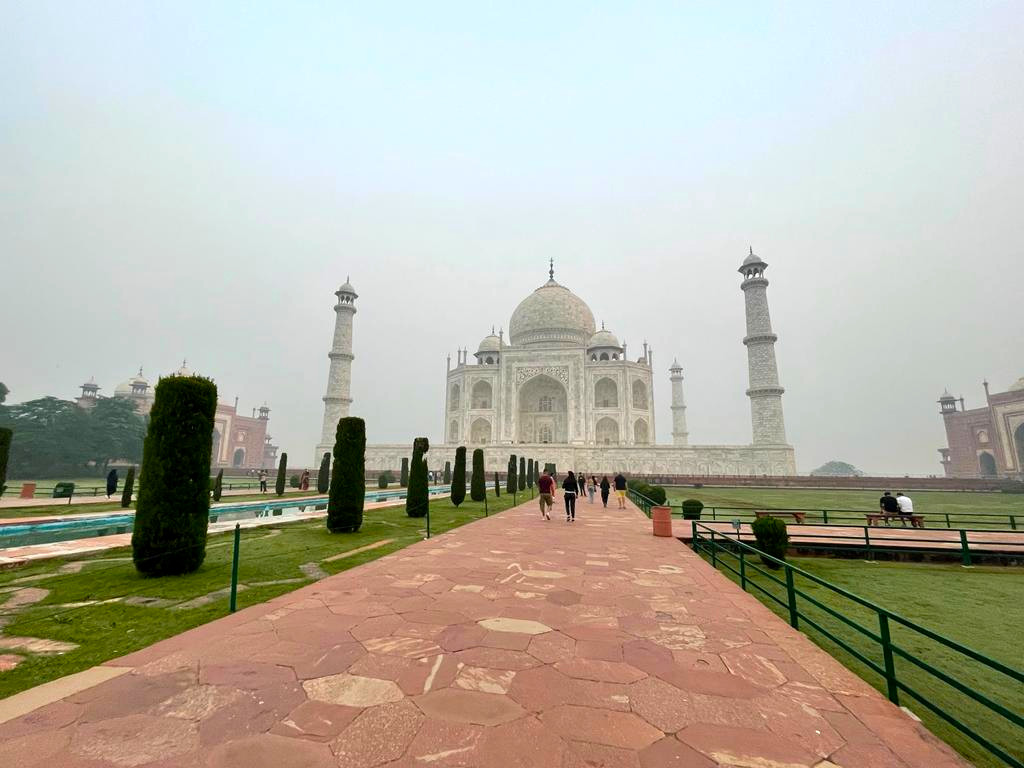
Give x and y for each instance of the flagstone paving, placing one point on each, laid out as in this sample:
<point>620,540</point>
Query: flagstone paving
<point>508,642</point>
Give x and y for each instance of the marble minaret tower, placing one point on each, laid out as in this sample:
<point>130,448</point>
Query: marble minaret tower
<point>764,392</point>
<point>339,380</point>
<point>679,434</point>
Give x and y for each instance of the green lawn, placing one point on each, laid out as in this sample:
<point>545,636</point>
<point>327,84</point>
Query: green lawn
<point>932,504</point>
<point>978,607</point>
<point>75,611</point>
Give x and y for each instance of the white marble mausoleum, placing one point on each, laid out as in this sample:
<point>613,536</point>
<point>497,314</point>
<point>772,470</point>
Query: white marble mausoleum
<point>560,390</point>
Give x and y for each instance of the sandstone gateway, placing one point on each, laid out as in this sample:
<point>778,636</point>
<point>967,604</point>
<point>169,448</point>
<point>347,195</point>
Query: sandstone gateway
<point>561,390</point>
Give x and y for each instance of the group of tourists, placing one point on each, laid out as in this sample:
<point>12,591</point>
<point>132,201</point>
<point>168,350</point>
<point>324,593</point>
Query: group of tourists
<point>577,484</point>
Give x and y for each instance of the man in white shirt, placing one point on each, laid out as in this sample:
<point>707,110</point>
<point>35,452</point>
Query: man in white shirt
<point>905,504</point>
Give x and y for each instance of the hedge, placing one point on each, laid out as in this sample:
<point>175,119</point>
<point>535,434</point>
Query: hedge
<point>417,499</point>
<point>459,476</point>
<point>497,485</point>
<point>654,493</point>
<point>529,473</point>
<point>323,477</point>
<point>282,470</point>
<point>772,538</point>
<point>511,483</point>
<point>478,488</point>
<point>348,480</point>
<point>173,508</point>
<point>521,474</point>
<point>692,509</point>
<point>129,487</point>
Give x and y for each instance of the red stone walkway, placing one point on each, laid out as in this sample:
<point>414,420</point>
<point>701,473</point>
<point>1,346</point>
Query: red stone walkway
<point>508,642</point>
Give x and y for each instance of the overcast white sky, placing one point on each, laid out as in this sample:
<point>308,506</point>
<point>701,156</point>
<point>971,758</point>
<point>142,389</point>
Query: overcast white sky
<point>195,180</point>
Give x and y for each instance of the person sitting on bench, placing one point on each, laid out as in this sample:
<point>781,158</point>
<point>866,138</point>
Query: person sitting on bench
<point>905,505</point>
<point>889,505</point>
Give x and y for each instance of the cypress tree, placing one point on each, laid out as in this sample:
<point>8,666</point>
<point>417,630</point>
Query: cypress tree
<point>348,480</point>
<point>173,508</point>
<point>536,470</point>
<point>497,485</point>
<point>459,476</point>
<point>5,451</point>
<point>403,478</point>
<point>521,475</point>
<point>447,473</point>
<point>218,485</point>
<point>129,486</point>
<point>511,484</point>
<point>478,490</point>
<point>417,499</point>
<point>282,470</point>
<point>323,477</point>
<point>529,473</point>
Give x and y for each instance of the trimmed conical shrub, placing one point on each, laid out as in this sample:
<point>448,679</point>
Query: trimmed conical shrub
<point>218,485</point>
<point>418,497</point>
<point>6,436</point>
<point>459,476</point>
<point>497,485</point>
<point>348,480</point>
<point>282,470</point>
<point>529,473</point>
<point>511,483</point>
<point>536,470</point>
<point>403,478</point>
<point>129,488</point>
<point>521,474</point>
<point>478,490</point>
<point>447,473</point>
<point>173,509</point>
<point>323,477</point>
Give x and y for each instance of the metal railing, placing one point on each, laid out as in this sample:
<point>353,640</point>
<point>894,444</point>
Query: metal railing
<point>732,554</point>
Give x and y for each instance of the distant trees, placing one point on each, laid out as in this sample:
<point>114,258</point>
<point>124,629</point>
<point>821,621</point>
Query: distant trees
<point>56,437</point>
<point>348,480</point>
<point>323,476</point>
<point>173,508</point>
<point>837,469</point>
<point>459,476</point>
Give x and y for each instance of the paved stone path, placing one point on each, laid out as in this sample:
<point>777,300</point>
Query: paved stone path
<point>508,642</point>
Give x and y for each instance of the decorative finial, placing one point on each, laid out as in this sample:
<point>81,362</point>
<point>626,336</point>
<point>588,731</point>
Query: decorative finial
<point>551,268</point>
<point>492,330</point>
<point>751,250</point>
<point>140,371</point>
<point>602,325</point>
<point>348,278</point>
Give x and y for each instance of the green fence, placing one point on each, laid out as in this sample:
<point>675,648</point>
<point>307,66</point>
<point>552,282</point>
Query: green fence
<point>975,700</point>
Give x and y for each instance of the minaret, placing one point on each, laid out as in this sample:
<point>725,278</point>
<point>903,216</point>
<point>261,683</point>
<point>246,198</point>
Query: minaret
<point>339,379</point>
<point>679,434</point>
<point>765,393</point>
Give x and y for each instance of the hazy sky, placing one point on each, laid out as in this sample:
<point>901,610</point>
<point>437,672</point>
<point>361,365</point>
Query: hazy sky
<point>196,179</point>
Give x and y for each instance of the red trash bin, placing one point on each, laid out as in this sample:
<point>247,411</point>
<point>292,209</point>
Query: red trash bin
<point>662,519</point>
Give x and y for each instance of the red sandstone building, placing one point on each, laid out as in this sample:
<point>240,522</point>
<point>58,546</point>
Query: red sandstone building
<point>239,441</point>
<point>988,441</point>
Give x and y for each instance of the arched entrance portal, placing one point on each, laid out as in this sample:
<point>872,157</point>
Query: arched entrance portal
<point>543,411</point>
<point>239,458</point>
<point>987,464</point>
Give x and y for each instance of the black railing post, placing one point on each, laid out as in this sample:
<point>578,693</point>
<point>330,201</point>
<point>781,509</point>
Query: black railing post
<point>743,569</point>
<point>890,665</point>
<point>714,554</point>
<point>965,549</point>
<point>234,569</point>
<point>791,594</point>
<point>824,514</point>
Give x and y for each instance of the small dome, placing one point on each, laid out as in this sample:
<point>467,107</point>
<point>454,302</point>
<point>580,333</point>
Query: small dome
<point>490,343</point>
<point>184,370</point>
<point>946,396</point>
<point>1017,386</point>
<point>346,287</point>
<point>128,387</point>
<point>604,338</point>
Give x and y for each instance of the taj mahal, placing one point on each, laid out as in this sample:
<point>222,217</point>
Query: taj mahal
<point>560,390</point>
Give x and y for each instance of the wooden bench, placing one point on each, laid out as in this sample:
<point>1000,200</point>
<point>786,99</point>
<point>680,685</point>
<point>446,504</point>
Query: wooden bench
<point>798,516</point>
<point>916,521</point>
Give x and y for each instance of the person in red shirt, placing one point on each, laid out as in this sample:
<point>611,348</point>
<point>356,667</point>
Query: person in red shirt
<point>546,486</point>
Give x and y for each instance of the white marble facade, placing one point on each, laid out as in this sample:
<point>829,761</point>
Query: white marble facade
<point>560,390</point>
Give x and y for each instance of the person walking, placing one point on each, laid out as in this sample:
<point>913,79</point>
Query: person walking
<point>569,489</point>
<point>592,488</point>
<point>606,489</point>
<point>546,494</point>
<point>620,489</point>
<point>304,480</point>
<point>581,481</point>
<point>263,481</point>
<point>111,483</point>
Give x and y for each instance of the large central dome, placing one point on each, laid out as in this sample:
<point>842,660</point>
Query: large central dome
<point>552,314</point>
